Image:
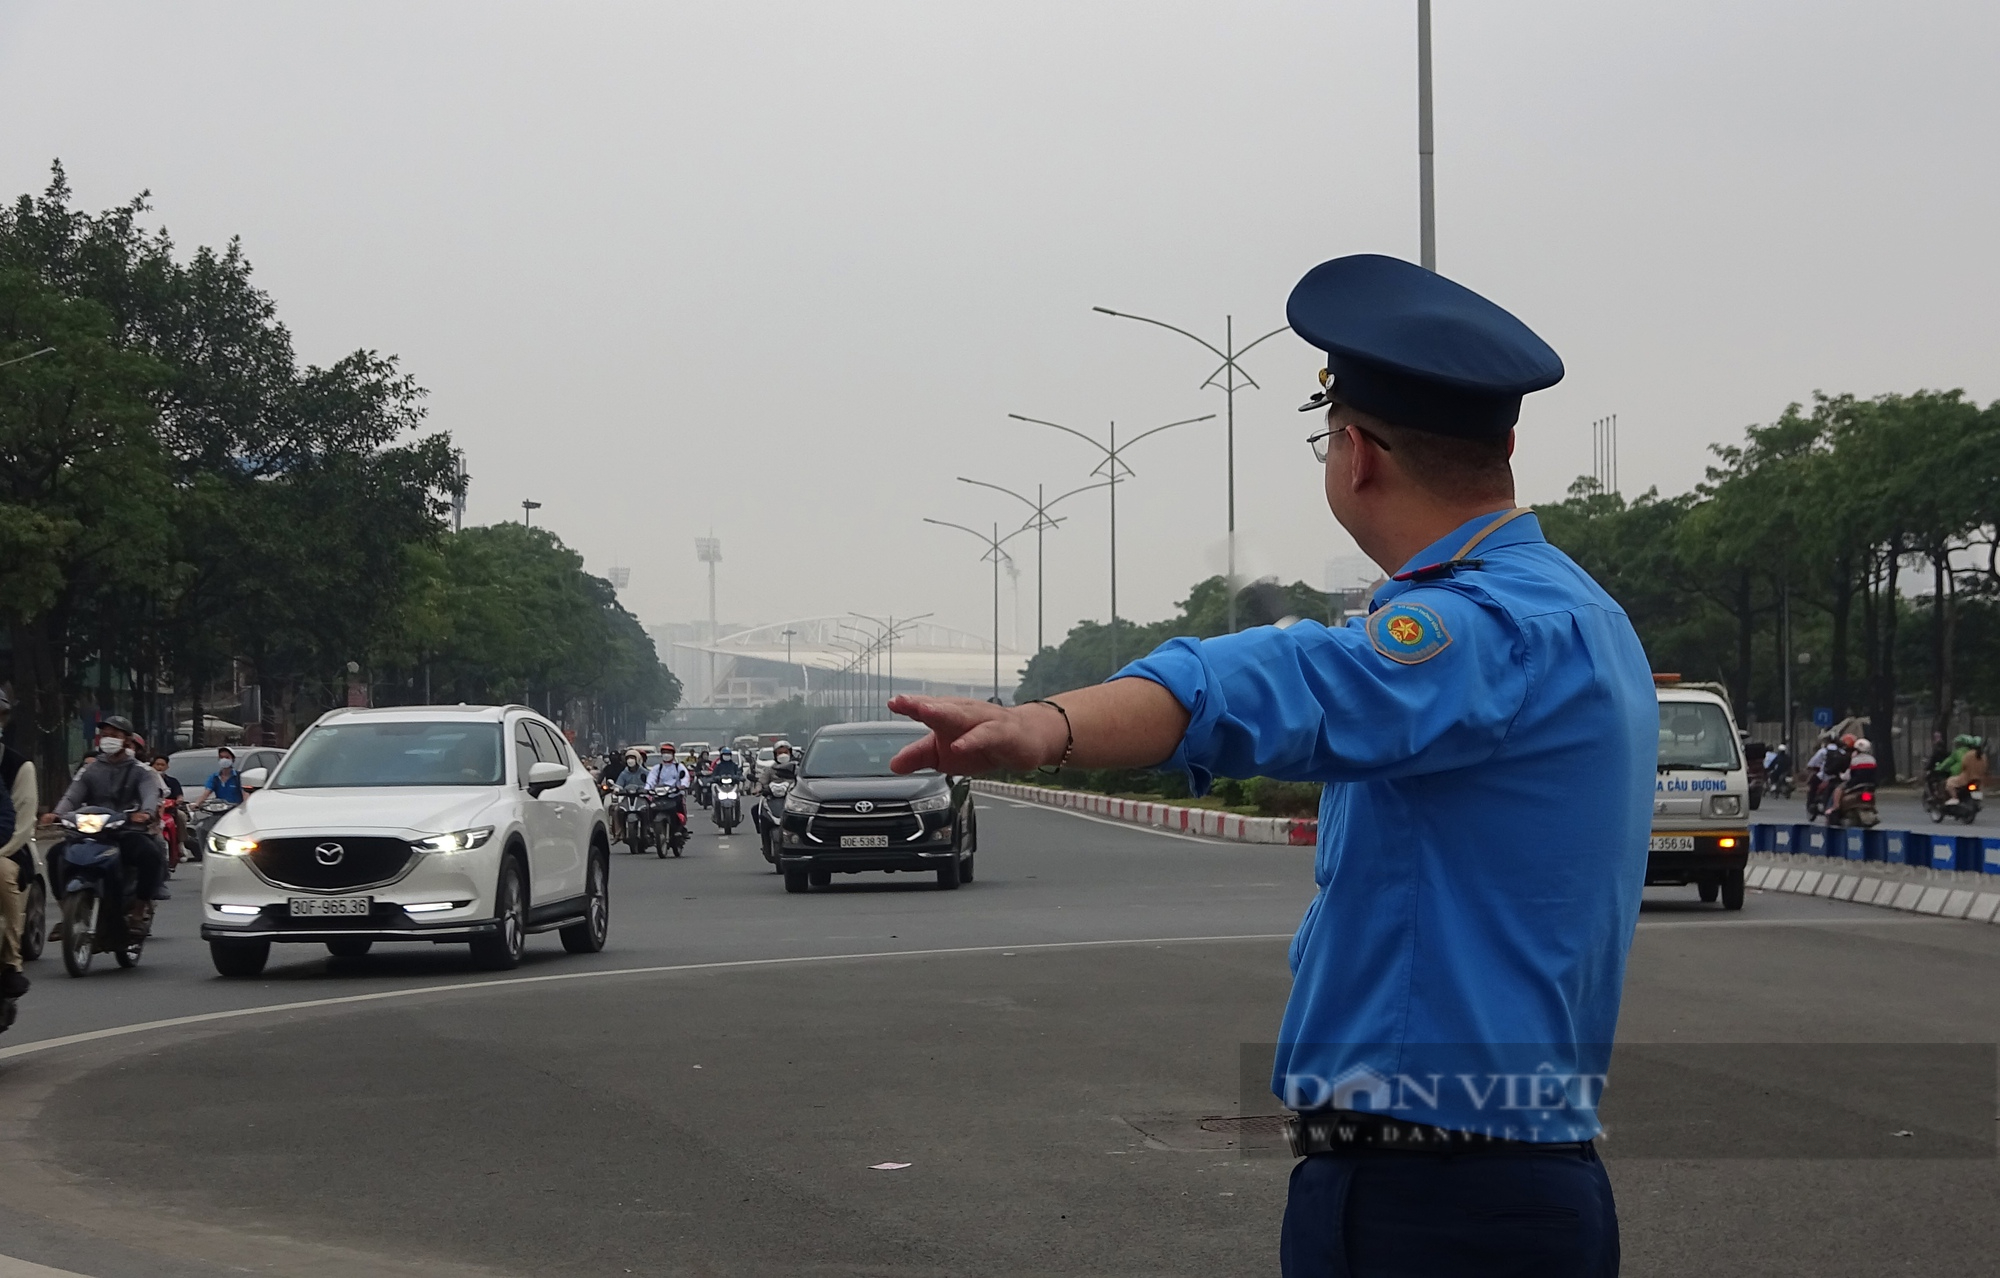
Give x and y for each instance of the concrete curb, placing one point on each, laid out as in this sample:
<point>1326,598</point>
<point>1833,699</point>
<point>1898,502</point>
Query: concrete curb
<point>1228,826</point>
<point>1914,890</point>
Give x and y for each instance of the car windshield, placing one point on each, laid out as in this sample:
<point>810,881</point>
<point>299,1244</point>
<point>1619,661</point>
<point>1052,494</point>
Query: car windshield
<point>1696,734</point>
<point>382,754</point>
<point>856,754</point>
<point>192,769</point>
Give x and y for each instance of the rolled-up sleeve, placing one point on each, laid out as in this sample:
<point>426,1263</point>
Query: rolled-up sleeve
<point>1309,703</point>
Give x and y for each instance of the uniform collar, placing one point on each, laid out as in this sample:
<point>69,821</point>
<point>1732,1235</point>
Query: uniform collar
<point>1515,532</point>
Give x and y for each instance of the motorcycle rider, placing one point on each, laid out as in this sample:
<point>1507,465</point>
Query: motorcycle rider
<point>1828,765</point>
<point>1964,765</point>
<point>117,780</point>
<point>17,793</point>
<point>670,774</point>
<point>1859,775</point>
<point>223,784</point>
<point>726,766</point>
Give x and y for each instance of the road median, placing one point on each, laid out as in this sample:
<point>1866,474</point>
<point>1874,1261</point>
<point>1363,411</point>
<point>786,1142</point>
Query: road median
<point>1207,823</point>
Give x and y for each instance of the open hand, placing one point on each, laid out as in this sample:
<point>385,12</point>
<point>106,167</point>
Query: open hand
<point>970,736</point>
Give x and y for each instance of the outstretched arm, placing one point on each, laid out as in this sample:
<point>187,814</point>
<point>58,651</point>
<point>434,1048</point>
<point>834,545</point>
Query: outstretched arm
<point>1127,723</point>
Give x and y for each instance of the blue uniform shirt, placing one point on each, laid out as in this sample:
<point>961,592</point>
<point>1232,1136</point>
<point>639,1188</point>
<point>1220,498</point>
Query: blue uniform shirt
<point>1488,740</point>
<point>228,790</point>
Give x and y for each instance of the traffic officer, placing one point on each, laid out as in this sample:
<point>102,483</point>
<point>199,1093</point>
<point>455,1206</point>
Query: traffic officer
<point>1487,738</point>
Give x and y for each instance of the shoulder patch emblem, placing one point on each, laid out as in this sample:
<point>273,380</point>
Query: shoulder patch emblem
<point>1407,633</point>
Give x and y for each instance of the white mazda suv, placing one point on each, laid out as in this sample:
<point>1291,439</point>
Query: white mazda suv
<point>470,824</point>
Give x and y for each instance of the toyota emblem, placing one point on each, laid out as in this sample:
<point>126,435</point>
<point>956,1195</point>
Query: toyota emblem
<point>864,806</point>
<point>329,853</point>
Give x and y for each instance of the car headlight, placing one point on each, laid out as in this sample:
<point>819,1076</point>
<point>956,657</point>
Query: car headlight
<point>231,845</point>
<point>1726,804</point>
<point>90,822</point>
<point>796,806</point>
<point>458,841</point>
<point>935,803</point>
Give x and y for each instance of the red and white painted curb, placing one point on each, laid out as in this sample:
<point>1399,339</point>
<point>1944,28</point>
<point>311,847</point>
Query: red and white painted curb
<point>1207,822</point>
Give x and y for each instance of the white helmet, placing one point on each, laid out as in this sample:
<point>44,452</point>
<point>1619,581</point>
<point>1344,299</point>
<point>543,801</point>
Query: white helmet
<point>1864,746</point>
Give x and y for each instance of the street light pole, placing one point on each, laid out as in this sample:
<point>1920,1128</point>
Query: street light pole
<point>1110,468</point>
<point>1230,371</point>
<point>528,509</point>
<point>1041,523</point>
<point>1427,248</point>
<point>995,553</point>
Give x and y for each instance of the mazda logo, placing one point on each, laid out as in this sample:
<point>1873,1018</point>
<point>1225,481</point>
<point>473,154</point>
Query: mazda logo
<point>864,806</point>
<point>329,853</point>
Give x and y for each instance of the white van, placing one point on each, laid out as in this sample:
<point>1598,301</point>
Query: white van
<point>1701,795</point>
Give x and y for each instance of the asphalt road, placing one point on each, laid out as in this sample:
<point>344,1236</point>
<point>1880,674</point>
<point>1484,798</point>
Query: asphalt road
<point>1040,1047</point>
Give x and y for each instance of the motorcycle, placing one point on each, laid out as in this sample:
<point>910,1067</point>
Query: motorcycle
<point>97,877</point>
<point>704,788</point>
<point>1778,783</point>
<point>1857,807</point>
<point>728,810</point>
<point>34,924</point>
<point>669,807</point>
<point>170,830</point>
<point>1939,802</point>
<point>201,819</point>
<point>34,904</point>
<point>635,810</point>
<point>769,815</point>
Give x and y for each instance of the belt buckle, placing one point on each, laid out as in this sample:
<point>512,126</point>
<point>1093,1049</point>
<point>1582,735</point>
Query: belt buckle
<point>1294,1136</point>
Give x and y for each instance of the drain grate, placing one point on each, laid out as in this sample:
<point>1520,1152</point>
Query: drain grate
<point>1249,1125</point>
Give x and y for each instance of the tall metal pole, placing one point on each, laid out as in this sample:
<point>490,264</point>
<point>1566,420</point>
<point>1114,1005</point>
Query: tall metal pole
<point>1229,398</point>
<point>1229,372</point>
<point>1109,468</point>
<point>1041,522</point>
<point>996,612</point>
<point>1114,547</point>
<point>1426,172</point>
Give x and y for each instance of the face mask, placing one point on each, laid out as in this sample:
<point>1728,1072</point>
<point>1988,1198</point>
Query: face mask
<point>224,765</point>
<point>110,746</point>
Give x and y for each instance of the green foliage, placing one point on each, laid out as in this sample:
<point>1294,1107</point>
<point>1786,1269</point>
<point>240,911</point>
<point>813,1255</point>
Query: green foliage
<point>1820,515</point>
<point>1085,654</point>
<point>180,499</point>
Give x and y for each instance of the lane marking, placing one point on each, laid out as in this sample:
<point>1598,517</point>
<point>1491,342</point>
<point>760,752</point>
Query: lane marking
<point>1840,922</point>
<point>203,1018</point>
<point>12,1268</point>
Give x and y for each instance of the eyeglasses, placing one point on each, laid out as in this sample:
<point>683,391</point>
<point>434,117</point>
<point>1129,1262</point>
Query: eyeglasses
<point>1323,440</point>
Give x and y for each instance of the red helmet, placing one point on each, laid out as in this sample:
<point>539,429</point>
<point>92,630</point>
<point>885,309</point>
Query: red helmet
<point>1848,740</point>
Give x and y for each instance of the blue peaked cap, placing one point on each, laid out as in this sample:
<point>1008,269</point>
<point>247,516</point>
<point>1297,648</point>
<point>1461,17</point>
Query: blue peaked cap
<point>1411,347</point>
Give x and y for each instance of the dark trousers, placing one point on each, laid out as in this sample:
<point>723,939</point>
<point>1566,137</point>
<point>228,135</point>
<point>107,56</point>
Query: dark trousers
<point>1476,1215</point>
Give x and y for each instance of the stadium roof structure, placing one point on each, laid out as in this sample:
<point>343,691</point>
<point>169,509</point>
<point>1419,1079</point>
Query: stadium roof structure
<point>924,650</point>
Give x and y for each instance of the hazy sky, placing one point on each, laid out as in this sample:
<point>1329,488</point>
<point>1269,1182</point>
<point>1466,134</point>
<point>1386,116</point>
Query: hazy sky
<point>781,270</point>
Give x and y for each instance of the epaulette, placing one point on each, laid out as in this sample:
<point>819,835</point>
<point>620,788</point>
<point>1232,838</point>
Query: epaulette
<point>1432,572</point>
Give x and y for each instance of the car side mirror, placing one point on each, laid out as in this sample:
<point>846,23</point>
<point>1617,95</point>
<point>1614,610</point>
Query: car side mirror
<point>254,779</point>
<point>545,776</point>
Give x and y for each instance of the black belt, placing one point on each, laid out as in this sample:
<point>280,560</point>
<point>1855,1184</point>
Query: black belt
<point>1337,1131</point>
